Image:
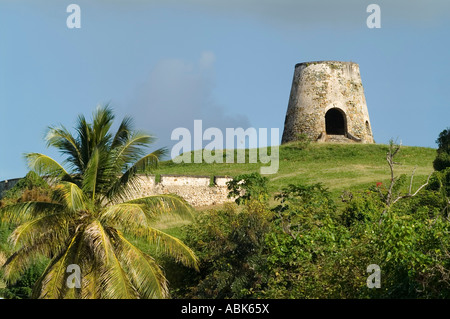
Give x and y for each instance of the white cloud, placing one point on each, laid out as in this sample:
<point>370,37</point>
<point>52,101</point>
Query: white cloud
<point>207,60</point>
<point>176,93</point>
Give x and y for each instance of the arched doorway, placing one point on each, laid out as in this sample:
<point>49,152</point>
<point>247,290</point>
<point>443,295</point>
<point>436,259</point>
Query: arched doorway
<point>335,123</point>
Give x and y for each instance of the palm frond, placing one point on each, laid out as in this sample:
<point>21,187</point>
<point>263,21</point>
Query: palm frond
<point>122,188</point>
<point>150,161</point>
<point>47,245</point>
<point>102,120</point>
<point>52,284</point>
<point>125,215</point>
<point>171,246</point>
<point>84,130</point>
<point>37,288</point>
<point>26,211</point>
<point>45,165</point>
<point>128,184</point>
<point>114,281</point>
<point>89,285</point>
<point>70,196</point>
<point>167,204</point>
<point>20,261</point>
<point>2,258</point>
<point>131,149</point>
<point>145,273</point>
<point>123,133</point>
<point>135,219</point>
<point>63,140</point>
<point>53,226</point>
<point>91,173</point>
<point>147,210</point>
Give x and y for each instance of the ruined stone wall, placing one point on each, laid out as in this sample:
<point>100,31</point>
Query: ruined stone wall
<point>196,190</point>
<point>316,88</point>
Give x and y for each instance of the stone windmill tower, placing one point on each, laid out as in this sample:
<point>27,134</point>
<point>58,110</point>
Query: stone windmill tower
<point>327,103</point>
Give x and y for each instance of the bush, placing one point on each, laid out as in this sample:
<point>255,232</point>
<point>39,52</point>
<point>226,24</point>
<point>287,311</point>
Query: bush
<point>443,141</point>
<point>440,182</point>
<point>302,245</point>
<point>442,160</point>
<point>316,252</point>
<point>23,287</point>
<point>363,207</point>
<point>248,187</point>
<point>30,188</point>
<point>230,245</point>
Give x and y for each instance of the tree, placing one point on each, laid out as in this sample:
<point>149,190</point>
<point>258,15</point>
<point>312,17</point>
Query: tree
<point>247,187</point>
<point>89,220</point>
<point>231,246</point>
<point>305,240</point>
<point>443,141</point>
<point>442,160</point>
<point>393,194</point>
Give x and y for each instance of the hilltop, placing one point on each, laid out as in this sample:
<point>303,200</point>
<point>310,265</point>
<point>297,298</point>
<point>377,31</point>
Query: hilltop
<point>337,166</point>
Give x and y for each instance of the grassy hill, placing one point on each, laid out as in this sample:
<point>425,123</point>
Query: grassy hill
<point>337,166</point>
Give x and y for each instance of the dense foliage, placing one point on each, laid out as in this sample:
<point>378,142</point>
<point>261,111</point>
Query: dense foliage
<point>310,245</point>
<point>442,160</point>
<point>246,187</point>
<point>306,243</point>
<point>89,216</point>
<point>30,188</point>
<point>231,246</point>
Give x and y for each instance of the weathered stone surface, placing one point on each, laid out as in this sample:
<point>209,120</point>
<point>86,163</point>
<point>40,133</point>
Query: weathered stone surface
<point>196,190</point>
<point>320,86</point>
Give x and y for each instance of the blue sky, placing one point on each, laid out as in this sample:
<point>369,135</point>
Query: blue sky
<point>227,62</point>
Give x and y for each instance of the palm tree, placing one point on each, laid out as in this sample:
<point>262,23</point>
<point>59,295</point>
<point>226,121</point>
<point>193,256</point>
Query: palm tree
<point>89,220</point>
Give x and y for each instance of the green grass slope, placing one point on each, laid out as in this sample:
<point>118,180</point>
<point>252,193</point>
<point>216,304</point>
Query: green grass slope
<point>337,166</point>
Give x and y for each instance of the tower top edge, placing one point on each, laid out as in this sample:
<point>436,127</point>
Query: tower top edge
<point>324,62</point>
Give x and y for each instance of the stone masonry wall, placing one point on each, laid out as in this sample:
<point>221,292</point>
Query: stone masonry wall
<point>196,190</point>
<point>320,86</point>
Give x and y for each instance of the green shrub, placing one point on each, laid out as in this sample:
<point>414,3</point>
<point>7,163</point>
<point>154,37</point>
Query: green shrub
<point>230,245</point>
<point>247,187</point>
<point>315,251</point>
<point>30,188</point>
<point>363,207</point>
<point>443,141</point>
<point>23,287</point>
<point>442,160</point>
<point>306,237</point>
<point>440,182</point>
